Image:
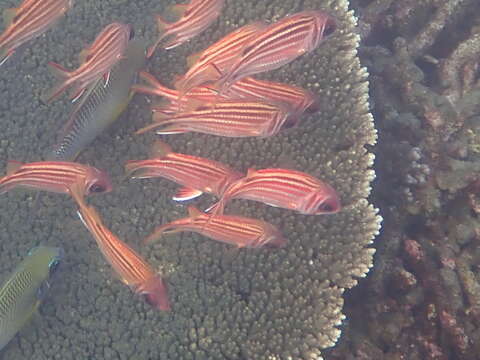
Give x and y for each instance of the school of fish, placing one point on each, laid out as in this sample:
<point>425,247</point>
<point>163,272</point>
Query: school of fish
<point>218,95</point>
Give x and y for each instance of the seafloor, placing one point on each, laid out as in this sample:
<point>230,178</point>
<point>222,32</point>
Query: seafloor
<point>226,304</point>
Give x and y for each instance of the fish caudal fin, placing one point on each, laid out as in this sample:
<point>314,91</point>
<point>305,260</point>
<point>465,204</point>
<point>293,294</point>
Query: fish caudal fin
<point>162,26</point>
<point>63,75</point>
<point>169,228</point>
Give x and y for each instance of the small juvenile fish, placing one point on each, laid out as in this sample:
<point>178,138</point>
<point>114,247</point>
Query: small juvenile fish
<point>197,175</point>
<point>96,61</point>
<point>31,19</point>
<point>55,176</point>
<point>100,106</point>
<point>288,189</point>
<point>228,118</point>
<point>234,230</point>
<point>132,269</point>
<point>196,16</point>
<point>217,58</point>
<point>24,290</point>
<point>278,44</point>
<point>176,102</point>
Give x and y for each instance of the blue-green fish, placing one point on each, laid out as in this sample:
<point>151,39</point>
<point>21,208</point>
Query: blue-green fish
<point>24,290</point>
<point>101,104</point>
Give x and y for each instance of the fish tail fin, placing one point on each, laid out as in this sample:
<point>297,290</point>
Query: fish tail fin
<point>162,26</point>
<point>170,228</point>
<point>62,75</point>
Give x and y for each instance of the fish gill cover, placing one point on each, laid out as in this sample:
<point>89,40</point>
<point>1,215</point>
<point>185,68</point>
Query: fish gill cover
<point>247,304</point>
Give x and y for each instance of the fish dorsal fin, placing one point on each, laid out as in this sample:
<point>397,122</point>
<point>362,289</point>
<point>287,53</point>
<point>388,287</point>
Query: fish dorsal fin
<point>178,10</point>
<point>9,15</point>
<point>251,172</point>
<point>83,56</point>
<point>192,59</point>
<point>193,212</point>
<point>13,166</point>
<point>160,149</point>
<point>177,80</point>
<point>193,104</point>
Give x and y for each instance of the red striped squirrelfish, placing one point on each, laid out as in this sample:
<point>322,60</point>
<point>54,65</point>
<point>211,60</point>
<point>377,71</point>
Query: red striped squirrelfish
<point>96,61</point>
<point>235,230</point>
<point>278,44</point>
<point>177,103</point>
<point>196,174</point>
<point>288,189</point>
<point>132,269</point>
<point>31,19</point>
<point>217,58</point>
<point>297,99</point>
<point>228,118</point>
<point>196,16</point>
<point>55,176</point>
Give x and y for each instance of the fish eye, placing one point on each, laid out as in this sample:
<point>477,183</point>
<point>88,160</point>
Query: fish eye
<point>328,207</point>
<point>149,299</point>
<point>53,266</point>
<point>330,27</point>
<point>97,188</point>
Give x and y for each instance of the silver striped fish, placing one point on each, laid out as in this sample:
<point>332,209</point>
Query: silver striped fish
<point>25,289</point>
<point>101,105</point>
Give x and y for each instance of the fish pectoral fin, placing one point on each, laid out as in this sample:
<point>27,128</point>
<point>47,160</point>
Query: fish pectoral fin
<point>160,149</point>
<point>186,193</point>
<point>9,15</point>
<point>193,212</point>
<point>106,79</point>
<point>63,75</point>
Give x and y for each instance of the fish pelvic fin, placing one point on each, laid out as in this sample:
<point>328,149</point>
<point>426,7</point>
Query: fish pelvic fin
<point>5,55</point>
<point>62,74</point>
<point>186,193</point>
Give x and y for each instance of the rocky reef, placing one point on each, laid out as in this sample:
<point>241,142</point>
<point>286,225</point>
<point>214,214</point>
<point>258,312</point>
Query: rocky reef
<point>422,299</point>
